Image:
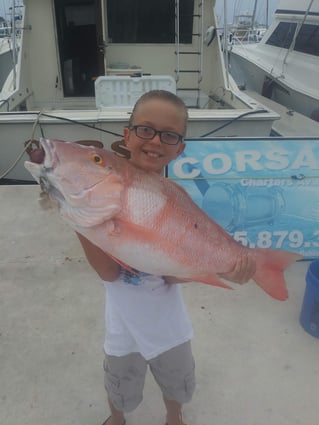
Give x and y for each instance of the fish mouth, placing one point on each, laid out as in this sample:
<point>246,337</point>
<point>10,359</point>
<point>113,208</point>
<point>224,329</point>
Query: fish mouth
<point>49,162</point>
<point>47,175</point>
<point>51,159</point>
<point>42,171</point>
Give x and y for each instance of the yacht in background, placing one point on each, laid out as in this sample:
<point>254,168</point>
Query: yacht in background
<point>83,64</point>
<point>10,37</point>
<point>242,30</point>
<point>283,66</point>
<point>245,27</point>
<point>5,52</point>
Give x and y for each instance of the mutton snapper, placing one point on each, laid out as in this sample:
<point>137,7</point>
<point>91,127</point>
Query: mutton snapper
<point>146,221</point>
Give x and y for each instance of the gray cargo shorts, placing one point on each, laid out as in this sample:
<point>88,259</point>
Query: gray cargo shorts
<point>173,370</point>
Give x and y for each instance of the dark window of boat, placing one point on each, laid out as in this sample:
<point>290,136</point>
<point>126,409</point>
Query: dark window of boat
<point>148,21</point>
<point>79,26</point>
<point>282,35</point>
<point>307,40</point>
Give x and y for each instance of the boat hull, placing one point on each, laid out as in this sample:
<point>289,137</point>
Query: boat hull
<point>107,127</point>
<point>252,74</point>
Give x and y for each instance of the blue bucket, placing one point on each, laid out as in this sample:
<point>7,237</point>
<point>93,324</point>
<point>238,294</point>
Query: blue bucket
<point>309,317</point>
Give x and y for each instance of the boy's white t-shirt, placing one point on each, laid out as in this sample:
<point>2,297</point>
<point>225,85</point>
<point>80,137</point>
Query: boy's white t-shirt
<point>144,314</point>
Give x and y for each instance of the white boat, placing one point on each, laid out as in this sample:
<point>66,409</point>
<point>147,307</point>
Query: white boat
<point>241,31</point>
<point>5,58</point>
<point>83,64</point>
<point>10,32</point>
<point>284,65</point>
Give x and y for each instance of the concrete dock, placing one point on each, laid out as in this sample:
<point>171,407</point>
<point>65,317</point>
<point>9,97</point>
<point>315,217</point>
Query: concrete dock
<point>255,364</point>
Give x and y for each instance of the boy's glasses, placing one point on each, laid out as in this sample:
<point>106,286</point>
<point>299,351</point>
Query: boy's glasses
<point>148,133</point>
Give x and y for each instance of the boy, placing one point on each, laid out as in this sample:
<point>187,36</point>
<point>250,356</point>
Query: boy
<point>146,319</point>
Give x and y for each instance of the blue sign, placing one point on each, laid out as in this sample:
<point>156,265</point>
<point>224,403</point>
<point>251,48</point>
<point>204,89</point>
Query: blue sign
<point>264,192</point>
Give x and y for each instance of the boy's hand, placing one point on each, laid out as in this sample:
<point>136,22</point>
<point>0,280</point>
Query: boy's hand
<point>244,270</point>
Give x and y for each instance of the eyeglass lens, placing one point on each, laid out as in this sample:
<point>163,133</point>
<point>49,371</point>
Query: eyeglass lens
<point>149,133</point>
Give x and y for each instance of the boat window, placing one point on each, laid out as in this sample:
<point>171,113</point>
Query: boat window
<point>148,21</point>
<point>307,40</point>
<point>282,35</point>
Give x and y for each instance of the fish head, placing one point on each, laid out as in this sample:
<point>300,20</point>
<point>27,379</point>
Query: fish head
<point>82,179</point>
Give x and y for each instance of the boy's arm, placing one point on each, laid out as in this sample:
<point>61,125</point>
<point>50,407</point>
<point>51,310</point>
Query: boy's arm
<point>105,266</point>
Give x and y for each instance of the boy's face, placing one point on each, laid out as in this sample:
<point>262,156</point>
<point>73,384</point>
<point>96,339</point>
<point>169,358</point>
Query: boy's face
<point>153,155</point>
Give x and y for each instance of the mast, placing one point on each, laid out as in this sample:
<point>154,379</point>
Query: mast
<point>14,46</point>
<point>226,44</point>
<point>253,18</point>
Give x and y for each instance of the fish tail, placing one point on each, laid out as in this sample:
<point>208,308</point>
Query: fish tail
<point>269,275</point>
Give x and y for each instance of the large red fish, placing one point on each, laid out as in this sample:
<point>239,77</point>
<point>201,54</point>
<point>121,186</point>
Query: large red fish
<point>146,221</point>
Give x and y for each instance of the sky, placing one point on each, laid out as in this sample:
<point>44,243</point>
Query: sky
<point>5,5</point>
<point>235,7</point>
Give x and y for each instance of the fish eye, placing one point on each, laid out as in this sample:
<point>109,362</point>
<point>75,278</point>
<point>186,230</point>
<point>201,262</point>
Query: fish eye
<point>97,159</point>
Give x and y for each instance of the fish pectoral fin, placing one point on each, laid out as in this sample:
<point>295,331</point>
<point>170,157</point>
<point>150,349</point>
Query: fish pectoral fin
<point>112,228</point>
<point>210,280</point>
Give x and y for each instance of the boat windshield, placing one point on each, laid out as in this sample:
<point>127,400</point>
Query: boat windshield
<point>145,21</point>
<point>307,40</point>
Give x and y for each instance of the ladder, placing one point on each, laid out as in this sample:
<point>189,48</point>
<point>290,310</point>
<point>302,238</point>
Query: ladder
<point>188,78</point>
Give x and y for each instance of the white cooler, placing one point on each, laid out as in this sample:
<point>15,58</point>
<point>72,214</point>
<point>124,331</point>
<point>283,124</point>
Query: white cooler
<point>116,91</point>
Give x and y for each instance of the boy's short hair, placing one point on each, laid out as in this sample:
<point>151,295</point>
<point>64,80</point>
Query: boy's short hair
<point>161,95</point>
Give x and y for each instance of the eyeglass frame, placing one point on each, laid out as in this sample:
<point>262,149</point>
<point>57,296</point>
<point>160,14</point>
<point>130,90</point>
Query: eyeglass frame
<point>135,127</point>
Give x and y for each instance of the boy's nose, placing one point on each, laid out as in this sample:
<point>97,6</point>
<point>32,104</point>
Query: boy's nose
<point>156,139</point>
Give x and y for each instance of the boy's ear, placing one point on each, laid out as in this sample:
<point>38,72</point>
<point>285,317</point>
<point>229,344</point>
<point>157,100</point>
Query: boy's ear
<point>181,148</point>
<point>126,133</point>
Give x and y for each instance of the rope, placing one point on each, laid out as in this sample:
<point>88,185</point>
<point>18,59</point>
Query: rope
<point>35,124</point>
<point>42,114</point>
<point>26,146</point>
<point>259,111</point>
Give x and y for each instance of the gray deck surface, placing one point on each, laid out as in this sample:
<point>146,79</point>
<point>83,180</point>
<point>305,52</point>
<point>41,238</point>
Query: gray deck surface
<point>255,363</point>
